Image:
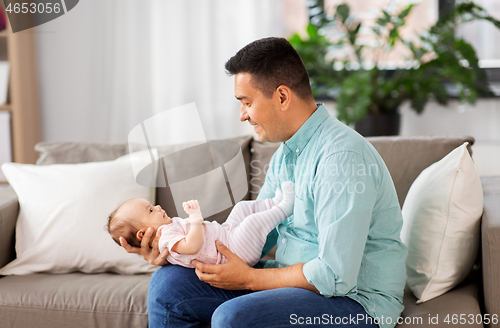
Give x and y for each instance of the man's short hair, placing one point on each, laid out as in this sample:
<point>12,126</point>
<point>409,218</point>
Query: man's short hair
<point>272,62</point>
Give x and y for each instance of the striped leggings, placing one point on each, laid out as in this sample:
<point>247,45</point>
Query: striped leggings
<point>248,225</point>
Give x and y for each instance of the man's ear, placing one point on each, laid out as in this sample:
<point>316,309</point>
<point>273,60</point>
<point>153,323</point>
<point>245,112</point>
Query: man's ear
<point>284,94</point>
<point>140,234</point>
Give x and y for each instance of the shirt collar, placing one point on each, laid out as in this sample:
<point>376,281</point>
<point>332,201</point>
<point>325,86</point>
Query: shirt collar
<point>300,139</point>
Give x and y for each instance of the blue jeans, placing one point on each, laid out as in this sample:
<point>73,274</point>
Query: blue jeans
<point>177,298</point>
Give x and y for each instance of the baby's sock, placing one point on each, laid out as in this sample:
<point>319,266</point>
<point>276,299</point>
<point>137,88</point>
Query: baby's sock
<point>278,197</point>
<point>286,204</point>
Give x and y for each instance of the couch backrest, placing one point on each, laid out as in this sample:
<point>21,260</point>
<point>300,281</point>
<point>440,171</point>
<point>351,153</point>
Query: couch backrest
<point>405,157</point>
<point>180,163</point>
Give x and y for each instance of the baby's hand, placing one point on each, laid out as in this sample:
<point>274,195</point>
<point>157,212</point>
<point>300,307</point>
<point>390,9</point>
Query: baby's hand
<point>191,207</point>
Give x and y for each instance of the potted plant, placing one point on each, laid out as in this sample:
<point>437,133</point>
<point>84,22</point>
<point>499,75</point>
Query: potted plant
<point>342,65</point>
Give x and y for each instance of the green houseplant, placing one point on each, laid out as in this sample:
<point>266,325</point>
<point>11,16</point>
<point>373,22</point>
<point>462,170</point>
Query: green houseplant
<point>341,64</point>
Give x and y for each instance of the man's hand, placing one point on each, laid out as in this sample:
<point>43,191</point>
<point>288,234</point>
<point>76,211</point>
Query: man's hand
<point>150,254</point>
<point>235,274</point>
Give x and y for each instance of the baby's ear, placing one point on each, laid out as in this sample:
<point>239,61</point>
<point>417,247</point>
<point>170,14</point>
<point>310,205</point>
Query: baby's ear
<point>140,234</point>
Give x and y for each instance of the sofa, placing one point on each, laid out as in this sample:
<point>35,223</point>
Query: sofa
<point>113,300</point>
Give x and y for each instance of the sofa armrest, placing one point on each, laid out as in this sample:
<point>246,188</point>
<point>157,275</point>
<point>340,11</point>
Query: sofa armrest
<point>490,244</point>
<point>9,208</point>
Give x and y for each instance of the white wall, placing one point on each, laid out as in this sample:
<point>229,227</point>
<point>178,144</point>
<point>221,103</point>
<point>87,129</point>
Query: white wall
<point>482,121</point>
<point>106,66</point>
<point>68,73</point>
<point>71,70</point>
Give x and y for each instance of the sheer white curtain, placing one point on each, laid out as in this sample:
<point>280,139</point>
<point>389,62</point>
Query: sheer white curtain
<point>106,66</point>
<point>163,54</point>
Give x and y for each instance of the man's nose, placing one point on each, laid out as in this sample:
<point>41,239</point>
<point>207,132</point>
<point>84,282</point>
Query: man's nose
<point>243,114</point>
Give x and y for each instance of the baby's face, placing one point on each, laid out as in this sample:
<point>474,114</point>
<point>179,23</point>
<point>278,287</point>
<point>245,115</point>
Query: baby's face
<point>146,214</point>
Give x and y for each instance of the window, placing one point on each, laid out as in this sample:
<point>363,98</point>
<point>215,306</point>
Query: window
<point>424,14</point>
<point>485,38</point>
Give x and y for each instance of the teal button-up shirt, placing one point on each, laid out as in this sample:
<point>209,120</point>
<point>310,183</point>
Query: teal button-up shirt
<point>347,220</point>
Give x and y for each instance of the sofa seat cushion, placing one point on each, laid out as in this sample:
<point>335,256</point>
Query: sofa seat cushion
<point>463,299</point>
<point>74,300</point>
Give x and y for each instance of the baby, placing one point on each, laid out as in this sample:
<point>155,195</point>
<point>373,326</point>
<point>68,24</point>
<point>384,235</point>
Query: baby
<point>244,232</point>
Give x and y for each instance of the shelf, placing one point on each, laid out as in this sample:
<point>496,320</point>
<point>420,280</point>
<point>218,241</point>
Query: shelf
<point>23,94</point>
<point>19,50</point>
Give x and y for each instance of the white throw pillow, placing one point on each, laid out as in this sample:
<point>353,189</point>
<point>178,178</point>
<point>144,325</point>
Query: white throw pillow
<point>441,221</point>
<point>63,214</point>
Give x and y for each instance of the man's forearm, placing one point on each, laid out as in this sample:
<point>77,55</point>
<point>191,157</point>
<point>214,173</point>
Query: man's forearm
<point>292,276</point>
<point>236,274</point>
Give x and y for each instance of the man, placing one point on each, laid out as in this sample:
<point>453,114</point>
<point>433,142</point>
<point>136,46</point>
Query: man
<point>339,260</point>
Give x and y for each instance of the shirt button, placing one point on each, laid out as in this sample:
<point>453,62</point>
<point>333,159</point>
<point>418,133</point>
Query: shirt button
<point>283,241</point>
<point>297,150</point>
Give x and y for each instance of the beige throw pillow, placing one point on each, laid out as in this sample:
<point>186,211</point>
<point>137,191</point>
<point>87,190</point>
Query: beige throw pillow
<point>441,220</point>
<point>63,212</point>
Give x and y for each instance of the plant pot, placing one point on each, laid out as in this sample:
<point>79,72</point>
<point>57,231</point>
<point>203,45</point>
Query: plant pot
<point>383,124</point>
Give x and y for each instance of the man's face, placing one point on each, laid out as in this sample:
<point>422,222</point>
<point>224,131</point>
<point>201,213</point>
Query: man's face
<point>261,112</point>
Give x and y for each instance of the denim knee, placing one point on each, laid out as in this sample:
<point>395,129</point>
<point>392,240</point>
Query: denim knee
<point>226,315</point>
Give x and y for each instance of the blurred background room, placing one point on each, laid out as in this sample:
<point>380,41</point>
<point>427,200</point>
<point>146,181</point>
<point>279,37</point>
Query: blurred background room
<point>106,66</point>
